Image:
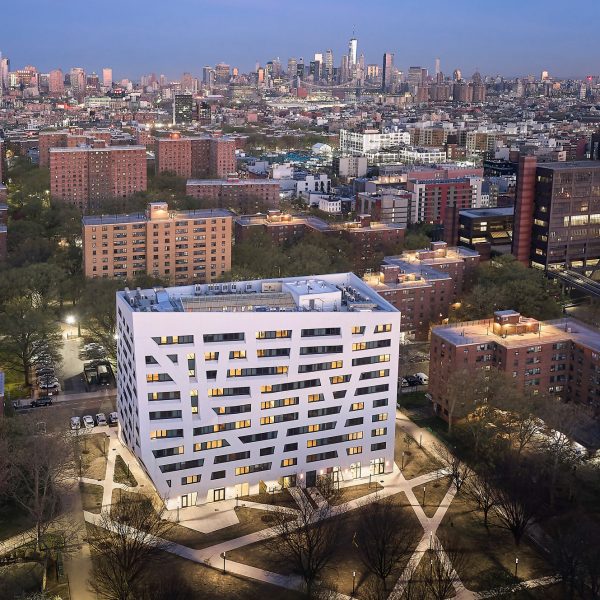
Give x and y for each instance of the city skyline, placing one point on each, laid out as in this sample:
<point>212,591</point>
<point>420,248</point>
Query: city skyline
<point>247,34</point>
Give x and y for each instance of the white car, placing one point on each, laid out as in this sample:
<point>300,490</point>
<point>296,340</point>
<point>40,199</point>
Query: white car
<point>101,419</point>
<point>52,385</point>
<point>423,378</point>
<point>88,421</point>
<point>75,423</point>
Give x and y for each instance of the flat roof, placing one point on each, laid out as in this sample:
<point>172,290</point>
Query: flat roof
<point>480,332</point>
<point>569,165</point>
<point>338,292</point>
<point>206,182</point>
<point>103,149</point>
<point>473,213</point>
<point>203,213</point>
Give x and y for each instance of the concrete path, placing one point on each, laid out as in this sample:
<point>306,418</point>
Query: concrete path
<point>206,517</point>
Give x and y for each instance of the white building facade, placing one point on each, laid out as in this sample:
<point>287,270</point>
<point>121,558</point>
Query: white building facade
<point>228,389</point>
<point>361,143</point>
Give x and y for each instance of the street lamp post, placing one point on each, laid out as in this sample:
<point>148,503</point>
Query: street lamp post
<point>402,467</point>
<point>516,566</point>
<point>423,495</point>
<point>353,582</point>
<point>430,540</point>
<point>420,440</point>
<point>224,555</point>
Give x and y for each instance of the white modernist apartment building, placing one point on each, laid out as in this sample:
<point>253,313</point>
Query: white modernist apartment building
<point>226,389</point>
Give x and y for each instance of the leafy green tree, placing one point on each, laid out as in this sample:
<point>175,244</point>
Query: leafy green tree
<point>416,241</point>
<point>504,284</point>
<point>25,331</point>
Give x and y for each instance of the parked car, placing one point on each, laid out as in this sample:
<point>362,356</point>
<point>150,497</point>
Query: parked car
<point>412,381</point>
<point>423,378</point>
<point>75,423</point>
<point>42,401</point>
<point>88,421</point>
<point>101,419</point>
<point>44,370</point>
<point>113,418</point>
<point>403,382</point>
<point>50,385</point>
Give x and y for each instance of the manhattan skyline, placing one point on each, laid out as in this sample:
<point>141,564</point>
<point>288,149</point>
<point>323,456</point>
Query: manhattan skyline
<point>155,37</point>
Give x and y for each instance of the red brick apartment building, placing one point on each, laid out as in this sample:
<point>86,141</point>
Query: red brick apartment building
<point>185,247</point>
<point>366,237</point>
<point>85,176</point>
<point>422,284</point>
<point>560,358</point>
<point>197,157</point>
<point>245,195</point>
<point>70,138</point>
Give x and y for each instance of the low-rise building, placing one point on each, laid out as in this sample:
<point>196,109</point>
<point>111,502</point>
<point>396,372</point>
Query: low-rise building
<point>367,238</point>
<point>423,284</point>
<point>244,195</point>
<point>560,358</point>
<point>183,247</point>
<point>225,389</point>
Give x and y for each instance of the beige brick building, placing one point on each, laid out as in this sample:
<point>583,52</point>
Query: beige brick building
<point>185,247</point>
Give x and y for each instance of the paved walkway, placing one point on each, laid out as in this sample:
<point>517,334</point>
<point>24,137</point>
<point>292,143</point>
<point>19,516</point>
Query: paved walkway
<point>206,518</point>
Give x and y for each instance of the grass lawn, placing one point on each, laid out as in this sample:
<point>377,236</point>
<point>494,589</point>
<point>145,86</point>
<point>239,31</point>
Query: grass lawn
<point>434,494</point>
<point>282,498</point>
<point>205,582</point>
<point>20,579</point>
<point>413,400</point>
<point>339,573</point>
<point>91,497</point>
<point>93,458</point>
<point>123,474</point>
<point>13,521</point>
<point>251,520</point>
<point>353,492</point>
<point>417,461</point>
<point>492,551</point>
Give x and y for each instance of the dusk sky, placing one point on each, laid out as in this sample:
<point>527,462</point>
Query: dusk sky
<point>511,37</point>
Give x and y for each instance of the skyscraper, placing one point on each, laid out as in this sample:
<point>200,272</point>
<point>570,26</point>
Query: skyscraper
<point>352,47</point>
<point>183,108</point>
<point>329,65</point>
<point>77,81</point>
<point>107,77</point>
<point>4,70</point>
<point>437,66</point>
<point>56,82</point>
<point>388,70</point>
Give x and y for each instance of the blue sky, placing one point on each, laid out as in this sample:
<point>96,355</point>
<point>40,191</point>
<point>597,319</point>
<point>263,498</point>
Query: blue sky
<point>509,37</point>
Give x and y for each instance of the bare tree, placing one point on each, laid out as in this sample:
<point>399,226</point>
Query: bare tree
<point>463,394</point>
<point>556,444</point>
<point>441,574</point>
<point>308,543</point>
<point>517,500</point>
<point>516,414</point>
<point>457,469</point>
<point>480,489</point>
<point>385,537</point>
<point>128,544</point>
<point>38,468</point>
